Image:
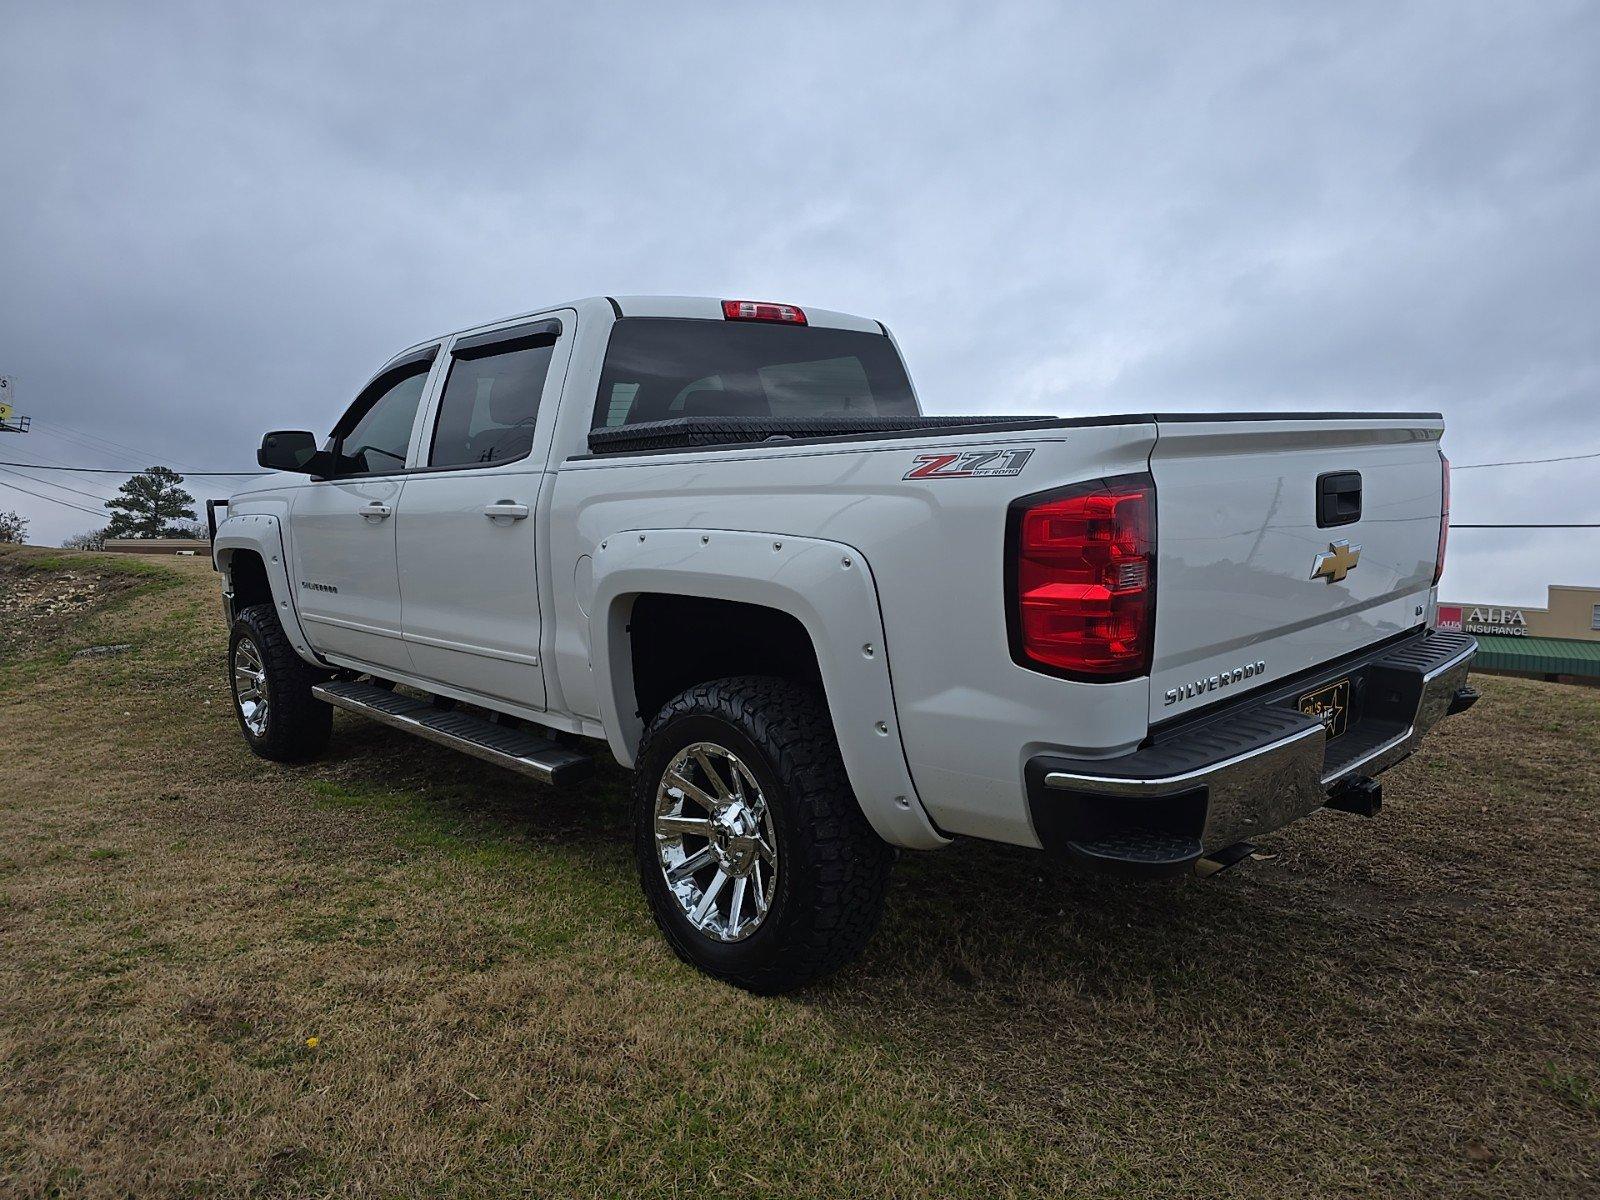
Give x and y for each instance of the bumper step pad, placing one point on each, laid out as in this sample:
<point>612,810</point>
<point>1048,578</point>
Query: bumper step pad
<point>1138,851</point>
<point>515,749</point>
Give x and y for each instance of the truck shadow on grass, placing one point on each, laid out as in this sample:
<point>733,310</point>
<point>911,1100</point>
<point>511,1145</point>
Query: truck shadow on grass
<point>975,921</point>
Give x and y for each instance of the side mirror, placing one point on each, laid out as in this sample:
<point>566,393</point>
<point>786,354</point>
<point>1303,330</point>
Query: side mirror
<point>293,450</point>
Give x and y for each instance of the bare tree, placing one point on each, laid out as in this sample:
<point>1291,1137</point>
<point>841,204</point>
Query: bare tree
<point>13,527</point>
<point>92,539</point>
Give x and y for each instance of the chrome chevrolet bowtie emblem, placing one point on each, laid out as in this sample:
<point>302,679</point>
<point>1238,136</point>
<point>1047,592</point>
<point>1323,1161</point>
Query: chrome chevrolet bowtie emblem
<point>1337,561</point>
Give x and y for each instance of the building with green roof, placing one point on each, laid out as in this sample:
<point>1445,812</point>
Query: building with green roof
<point>1560,641</point>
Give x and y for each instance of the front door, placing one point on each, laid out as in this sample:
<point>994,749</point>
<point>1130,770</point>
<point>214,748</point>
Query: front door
<point>467,527</point>
<point>345,584</point>
<point>342,531</point>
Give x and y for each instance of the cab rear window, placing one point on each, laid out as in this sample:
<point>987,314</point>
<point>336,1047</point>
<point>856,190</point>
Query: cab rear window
<point>657,368</point>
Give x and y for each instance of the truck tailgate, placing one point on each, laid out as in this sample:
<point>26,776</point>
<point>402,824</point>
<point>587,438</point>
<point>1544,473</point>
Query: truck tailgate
<point>1239,545</point>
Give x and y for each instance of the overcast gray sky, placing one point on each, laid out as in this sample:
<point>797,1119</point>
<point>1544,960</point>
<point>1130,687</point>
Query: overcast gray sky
<point>218,219</point>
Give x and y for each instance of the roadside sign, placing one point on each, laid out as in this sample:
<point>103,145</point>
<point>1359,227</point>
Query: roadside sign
<point>9,421</point>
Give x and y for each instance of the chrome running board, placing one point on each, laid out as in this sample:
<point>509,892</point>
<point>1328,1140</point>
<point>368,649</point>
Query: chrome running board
<point>515,749</point>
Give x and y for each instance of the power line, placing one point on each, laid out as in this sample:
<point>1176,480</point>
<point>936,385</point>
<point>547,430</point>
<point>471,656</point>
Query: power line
<point>83,446</point>
<point>59,486</point>
<point>52,463</point>
<point>50,429</point>
<point>109,471</point>
<point>93,512</point>
<point>67,431</point>
<point>116,449</point>
<point>105,447</point>
<point>255,474</point>
<point>1523,462</point>
<point>48,464</point>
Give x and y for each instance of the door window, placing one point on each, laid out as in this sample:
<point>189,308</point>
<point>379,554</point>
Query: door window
<point>490,403</point>
<point>374,434</point>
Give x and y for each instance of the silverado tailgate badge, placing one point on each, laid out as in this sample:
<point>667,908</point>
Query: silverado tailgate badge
<point>1337,561</point>
<point>1212,683</point>
<point>969,464</point>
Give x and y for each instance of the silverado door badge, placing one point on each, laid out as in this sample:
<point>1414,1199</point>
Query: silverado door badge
<point>1337,561</point>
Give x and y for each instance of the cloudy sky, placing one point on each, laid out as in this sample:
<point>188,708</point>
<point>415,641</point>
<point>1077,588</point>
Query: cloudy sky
<point>218,219</point>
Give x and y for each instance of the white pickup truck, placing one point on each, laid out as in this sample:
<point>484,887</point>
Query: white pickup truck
<point>720,537</point>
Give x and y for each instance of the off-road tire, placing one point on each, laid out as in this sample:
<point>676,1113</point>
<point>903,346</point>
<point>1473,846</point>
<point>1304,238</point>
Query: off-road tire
<point>298,725</point>
<point>833,868</point>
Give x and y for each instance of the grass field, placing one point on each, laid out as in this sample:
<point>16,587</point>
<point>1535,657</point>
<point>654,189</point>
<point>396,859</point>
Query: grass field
<point>399,972</point>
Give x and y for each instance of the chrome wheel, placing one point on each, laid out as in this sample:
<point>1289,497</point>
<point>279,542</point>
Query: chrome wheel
<point>715,841</point>
<point>250,686</point>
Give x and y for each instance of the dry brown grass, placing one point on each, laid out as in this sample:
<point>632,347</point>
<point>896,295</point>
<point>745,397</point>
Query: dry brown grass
<point>1404,1006</point>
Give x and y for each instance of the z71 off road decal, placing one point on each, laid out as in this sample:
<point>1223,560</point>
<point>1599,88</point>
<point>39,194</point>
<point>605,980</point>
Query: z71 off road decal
<point>968,464</point>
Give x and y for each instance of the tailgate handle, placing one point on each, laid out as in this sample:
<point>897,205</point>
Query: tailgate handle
<point>1338,498</point>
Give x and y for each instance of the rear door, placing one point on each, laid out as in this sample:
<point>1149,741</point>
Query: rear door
<point>342,531</point>
<point>467,527</point>
<point>1282,545</point>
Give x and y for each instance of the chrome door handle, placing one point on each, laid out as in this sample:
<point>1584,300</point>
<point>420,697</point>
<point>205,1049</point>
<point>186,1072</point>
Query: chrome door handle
<point>505,509</point>
<point>375,511</point>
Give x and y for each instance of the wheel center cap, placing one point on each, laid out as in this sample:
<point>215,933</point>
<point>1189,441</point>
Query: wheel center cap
<point>733,838</point>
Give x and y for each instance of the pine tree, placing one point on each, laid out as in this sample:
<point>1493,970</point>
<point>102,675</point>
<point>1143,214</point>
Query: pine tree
<point>149,504</point>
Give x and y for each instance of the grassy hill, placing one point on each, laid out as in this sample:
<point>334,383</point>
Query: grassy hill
<point>1398,1007</point>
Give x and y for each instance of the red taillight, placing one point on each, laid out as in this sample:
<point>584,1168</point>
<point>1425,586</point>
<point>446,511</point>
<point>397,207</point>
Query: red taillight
<point>1444,520</point>
<point>1085,579</point>
<point>760,310</point>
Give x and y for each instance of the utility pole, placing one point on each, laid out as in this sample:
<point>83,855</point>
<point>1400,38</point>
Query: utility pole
<point>9,421</point>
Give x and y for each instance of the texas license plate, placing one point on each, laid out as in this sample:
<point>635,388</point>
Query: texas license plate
<point>1330,704</point>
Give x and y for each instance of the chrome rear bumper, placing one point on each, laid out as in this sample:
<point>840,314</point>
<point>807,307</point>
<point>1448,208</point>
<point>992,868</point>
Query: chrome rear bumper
<point>1250,769</point>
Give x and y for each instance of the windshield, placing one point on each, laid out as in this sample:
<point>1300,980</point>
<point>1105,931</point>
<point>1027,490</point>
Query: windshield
<point>657,368</point>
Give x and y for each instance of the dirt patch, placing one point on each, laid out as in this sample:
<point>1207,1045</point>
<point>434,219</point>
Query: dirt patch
<point>45,597</point>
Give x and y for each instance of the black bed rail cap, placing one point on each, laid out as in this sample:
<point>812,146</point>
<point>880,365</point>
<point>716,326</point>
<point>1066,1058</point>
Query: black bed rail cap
<point>677,433</point>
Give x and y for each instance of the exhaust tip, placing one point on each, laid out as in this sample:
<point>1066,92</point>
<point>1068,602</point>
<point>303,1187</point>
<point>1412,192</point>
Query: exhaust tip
<point>1220,860</point>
